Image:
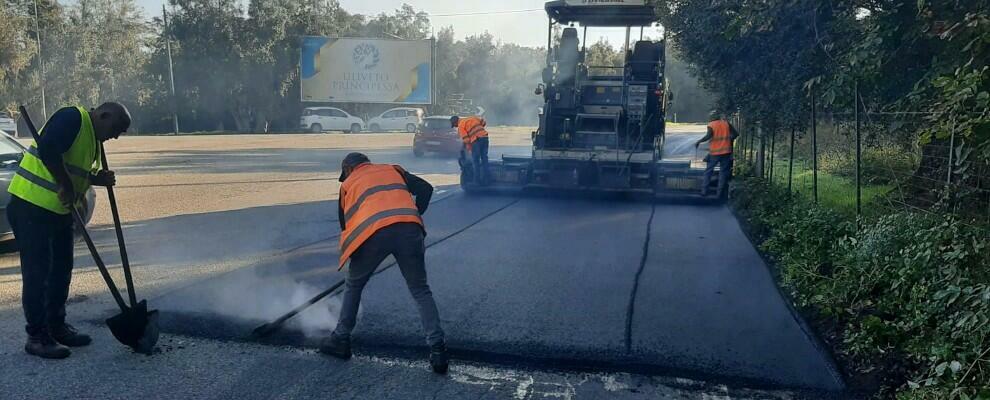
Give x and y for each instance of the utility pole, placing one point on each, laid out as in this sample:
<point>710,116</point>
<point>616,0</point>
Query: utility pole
<point>41,62</point>
<point>110,30</point>
<point>171,75</point>
<point>859,157</point>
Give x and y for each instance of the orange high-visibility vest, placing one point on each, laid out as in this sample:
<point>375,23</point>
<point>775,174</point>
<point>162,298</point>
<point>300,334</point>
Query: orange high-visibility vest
<point>373,196</point>
<point>471,129</point>
<point>721,138</point>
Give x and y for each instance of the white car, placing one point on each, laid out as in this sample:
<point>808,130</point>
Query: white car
<point>320,119</point>
<point>8,124</point>
<point>397,119</point>
<point>11,152</point>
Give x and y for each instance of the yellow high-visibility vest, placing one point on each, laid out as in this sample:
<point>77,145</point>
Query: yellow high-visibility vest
<point>35,184</point>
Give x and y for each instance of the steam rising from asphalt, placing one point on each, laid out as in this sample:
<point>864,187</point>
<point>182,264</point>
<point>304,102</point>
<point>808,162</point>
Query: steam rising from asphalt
<point>257,298</point>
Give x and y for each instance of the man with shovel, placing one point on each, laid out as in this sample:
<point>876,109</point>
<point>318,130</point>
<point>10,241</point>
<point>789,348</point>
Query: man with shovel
<point>54,174</point>
<point>379,217</point>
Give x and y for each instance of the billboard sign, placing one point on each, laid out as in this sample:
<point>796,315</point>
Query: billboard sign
<point>350,70</point>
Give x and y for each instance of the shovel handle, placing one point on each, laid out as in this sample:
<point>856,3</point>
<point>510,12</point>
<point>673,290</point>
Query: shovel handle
<point>271,327</point>
<point>99,261</point>
<point>124,262</point>
<point>82,226</point>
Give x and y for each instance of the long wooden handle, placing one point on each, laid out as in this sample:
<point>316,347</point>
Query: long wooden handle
<point>124,262</point>
<point>271,327</point>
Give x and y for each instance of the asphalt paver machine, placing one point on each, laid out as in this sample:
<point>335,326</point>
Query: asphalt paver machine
<point>602,127</point>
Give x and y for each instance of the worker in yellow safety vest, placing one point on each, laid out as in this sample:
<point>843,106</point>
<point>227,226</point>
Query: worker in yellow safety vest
<point>54,175</point>
<point>721,134</point>
<point>380,213</point>
<point>474,134</point>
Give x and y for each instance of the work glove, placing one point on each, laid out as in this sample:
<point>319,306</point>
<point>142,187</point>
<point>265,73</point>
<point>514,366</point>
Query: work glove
<point>68,197</point>
<point>104,178</point>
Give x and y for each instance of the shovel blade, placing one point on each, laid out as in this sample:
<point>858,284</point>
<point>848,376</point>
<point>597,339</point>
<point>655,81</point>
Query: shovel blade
<point>136,327</point>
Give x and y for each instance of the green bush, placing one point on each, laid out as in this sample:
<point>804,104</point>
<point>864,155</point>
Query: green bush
<point>911,286</point>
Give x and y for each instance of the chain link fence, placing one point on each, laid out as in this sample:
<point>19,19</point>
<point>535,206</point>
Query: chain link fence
<point>868,163</point>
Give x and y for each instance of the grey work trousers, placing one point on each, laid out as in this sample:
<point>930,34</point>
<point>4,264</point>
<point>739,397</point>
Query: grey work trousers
<point>405,241</point>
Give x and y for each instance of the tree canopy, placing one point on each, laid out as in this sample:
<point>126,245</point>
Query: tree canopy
<point>765,58</point>
<point>236,63</point>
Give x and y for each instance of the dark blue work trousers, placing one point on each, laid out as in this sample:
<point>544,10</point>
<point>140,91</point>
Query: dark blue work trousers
<point>44,240</point>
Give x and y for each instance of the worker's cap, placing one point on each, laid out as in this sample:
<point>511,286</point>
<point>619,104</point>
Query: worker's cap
<point>455,119</point>
<point>352,160</point>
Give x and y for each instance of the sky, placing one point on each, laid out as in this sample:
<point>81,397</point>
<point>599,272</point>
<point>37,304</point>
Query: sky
<point>512,21</point>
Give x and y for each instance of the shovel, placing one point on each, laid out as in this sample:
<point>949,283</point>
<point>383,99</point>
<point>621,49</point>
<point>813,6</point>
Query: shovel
<point>135,326</point>
<point>271,327</point>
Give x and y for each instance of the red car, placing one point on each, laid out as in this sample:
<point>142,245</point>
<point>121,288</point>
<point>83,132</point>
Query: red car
<point>435,135</point>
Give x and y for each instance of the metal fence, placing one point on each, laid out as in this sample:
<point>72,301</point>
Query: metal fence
<point>863,162</point>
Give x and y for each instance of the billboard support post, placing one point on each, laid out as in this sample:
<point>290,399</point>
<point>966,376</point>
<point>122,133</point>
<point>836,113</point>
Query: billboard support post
<point>433,73</point>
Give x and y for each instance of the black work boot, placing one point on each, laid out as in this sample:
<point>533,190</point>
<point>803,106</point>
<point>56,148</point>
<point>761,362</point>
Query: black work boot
<point>336,346</point>
<point>439,358</point>
<point>42,345</point>
<point>68,335</point>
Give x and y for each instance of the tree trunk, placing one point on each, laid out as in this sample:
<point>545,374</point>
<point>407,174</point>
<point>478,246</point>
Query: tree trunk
<point>261,122</point>
<point>760,152</point>
<point>242,121</point>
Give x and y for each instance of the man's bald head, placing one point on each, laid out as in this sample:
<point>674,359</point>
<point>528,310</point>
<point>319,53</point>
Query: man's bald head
<point>110,120</point>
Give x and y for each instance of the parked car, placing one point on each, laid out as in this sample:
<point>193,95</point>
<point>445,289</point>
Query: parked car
<point>397,119</point>
<point>436,135</point>
<point>11,153</point>
<point>320,119</point>
<point>8,124</point>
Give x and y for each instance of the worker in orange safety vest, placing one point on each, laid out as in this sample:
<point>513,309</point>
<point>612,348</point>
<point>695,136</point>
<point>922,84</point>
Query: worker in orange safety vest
<point>380,213</point>
<point>475,137</point>
<point>721,134</point>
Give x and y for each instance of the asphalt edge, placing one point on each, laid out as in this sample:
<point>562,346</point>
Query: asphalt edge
<point>820,345</point>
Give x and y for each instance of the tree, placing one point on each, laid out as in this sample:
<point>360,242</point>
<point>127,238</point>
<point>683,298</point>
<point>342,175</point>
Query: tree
<point>691,102</point>
<point>603,54</point>
<point>17,49</point>
<point>405,23</point>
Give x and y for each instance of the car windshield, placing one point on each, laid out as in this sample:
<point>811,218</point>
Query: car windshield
<point>437,123</point>
<point>307,112</point>
<point>10,150</point>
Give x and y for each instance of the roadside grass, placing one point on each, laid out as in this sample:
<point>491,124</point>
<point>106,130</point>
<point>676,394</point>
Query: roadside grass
<point>835,192</point>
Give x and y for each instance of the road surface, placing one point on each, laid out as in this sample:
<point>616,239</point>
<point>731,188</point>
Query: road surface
<point>540,297</point>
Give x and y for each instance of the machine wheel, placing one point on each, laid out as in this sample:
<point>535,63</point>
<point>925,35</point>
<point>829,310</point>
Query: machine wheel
<point>355,128</point>
<point>417,152</point>
<point>316,128</point>
<point>375,128</point>
<point>411,128</point>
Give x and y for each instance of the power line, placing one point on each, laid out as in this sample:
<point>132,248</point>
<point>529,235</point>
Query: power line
<point>487,13</point>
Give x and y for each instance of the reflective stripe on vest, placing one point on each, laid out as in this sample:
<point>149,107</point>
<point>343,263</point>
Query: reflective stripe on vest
<point>367,193</point>
<point>37,180</point>
<point>471,129</point>
<point>721,138</point>
<point>373,197</point>
<point>35,184</point>
<point>72,169</point>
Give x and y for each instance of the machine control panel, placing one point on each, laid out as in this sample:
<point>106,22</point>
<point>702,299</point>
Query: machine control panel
<point>636,102</point>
